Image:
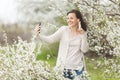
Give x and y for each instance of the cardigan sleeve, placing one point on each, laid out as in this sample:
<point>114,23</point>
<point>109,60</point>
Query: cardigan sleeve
<point>52,38</point>
<point>84,43</point>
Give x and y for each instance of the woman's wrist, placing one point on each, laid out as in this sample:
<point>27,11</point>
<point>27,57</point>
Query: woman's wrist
<point>80,30</point>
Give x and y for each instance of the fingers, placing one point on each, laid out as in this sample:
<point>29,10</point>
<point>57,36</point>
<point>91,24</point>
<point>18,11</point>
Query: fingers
<point>79,25</point>
<point>81,31</point>
<point>37,29</point>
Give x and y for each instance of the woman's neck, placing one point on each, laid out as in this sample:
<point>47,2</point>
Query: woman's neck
<point>73,29</point>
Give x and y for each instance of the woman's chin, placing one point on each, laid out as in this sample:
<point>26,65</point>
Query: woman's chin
<point>70,25</point>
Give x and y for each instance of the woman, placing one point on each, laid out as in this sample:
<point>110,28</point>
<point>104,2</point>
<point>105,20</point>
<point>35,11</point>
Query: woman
<point>73,43</point>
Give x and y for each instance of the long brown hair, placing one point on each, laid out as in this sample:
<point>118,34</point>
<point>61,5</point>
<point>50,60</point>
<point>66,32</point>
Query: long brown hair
<point>80,17</point>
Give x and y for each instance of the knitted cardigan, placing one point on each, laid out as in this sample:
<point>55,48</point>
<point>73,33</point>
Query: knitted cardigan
<point>62,35</point>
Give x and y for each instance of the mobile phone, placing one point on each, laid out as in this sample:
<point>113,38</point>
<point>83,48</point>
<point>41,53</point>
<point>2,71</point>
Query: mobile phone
<point>40,24</point>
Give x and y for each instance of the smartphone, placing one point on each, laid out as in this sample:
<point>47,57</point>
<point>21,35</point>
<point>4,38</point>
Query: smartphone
<point>40,24</point>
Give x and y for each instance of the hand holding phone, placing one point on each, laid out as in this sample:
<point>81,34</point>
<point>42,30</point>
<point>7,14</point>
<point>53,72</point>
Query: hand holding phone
<point>37,29</point>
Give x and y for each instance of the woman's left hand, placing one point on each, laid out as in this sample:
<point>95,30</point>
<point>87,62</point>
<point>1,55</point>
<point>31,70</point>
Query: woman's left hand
<point>80,30</point>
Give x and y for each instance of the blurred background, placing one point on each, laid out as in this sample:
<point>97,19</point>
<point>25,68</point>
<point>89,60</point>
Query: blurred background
<point>19,17</point>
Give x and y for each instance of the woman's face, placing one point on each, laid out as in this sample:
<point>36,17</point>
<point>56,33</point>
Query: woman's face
<point>72,20</point>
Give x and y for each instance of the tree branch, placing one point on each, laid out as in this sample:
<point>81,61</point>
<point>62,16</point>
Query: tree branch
<point>91,6</point>
<point>115,2</point>
<point>113,14</point>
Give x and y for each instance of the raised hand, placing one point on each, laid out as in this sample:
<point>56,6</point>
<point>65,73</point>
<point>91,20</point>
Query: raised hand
<point>37,29</point>
<point>80,29</point>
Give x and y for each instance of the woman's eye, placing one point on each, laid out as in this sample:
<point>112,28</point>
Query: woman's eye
<point>69,18</point>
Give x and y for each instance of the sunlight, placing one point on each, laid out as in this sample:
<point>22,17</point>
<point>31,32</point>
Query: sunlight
<point>7,11</point>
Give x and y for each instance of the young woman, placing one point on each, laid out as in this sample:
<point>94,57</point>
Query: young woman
<point>73,43</point>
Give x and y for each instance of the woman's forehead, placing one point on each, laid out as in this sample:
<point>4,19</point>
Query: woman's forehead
<point>71,15</point>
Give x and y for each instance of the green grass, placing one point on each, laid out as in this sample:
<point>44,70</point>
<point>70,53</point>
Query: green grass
<point>95,71</point>
<point>95,74</point>
<point>51,50</point>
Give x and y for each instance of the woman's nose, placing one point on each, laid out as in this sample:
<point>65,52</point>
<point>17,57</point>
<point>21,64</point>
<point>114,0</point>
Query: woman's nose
<point>68,20</point>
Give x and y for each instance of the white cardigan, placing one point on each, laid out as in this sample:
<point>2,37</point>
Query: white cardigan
<point>62,35</point>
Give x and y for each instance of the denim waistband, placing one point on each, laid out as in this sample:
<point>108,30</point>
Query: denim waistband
<point>69,73</point>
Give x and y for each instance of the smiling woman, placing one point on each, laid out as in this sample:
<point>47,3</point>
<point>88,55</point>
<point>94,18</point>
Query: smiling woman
<point>8,11</point>
<point>72,45</point>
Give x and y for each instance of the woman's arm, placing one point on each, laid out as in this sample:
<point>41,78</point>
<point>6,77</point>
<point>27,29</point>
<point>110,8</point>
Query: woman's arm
<point>52,38</point>
<point>84,43</point>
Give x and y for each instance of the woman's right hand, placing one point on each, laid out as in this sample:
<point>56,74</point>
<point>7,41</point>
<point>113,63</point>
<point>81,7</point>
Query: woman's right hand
<point>37,30</point>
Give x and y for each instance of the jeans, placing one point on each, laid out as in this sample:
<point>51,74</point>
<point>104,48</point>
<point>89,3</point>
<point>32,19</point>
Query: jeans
<point>71,74</point>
